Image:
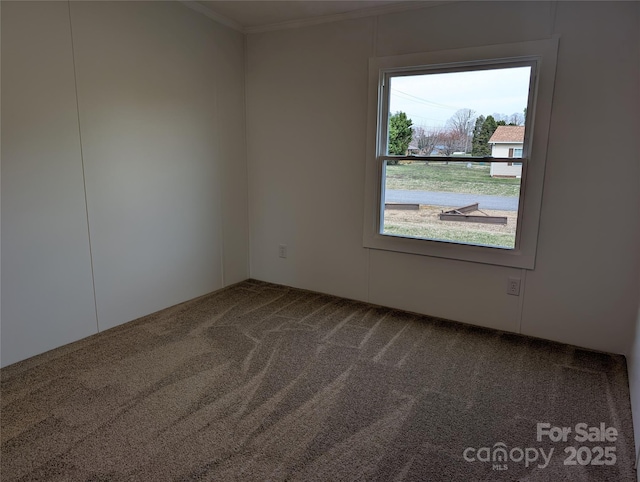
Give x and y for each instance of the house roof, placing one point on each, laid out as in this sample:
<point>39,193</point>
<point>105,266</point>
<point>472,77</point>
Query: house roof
<point>508,134</point>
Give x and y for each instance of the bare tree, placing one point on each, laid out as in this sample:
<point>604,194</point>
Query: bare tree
<point>426,140</point>
<point>516,119</point>
<point>462,123</point>
<point>500,117</point>
<point>450,142</point>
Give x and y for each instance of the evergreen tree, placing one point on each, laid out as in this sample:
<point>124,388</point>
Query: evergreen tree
<point>400,134</point>
<point>481,136</point>
<point>476,142</point>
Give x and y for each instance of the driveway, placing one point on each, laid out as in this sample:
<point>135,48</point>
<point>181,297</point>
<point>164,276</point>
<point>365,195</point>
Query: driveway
<point>452,199</point>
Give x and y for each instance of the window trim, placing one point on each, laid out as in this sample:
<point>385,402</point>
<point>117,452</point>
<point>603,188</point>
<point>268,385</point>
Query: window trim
<point>544,53</point>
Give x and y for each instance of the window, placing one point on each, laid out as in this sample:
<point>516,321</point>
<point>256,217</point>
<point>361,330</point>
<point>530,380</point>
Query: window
<point>517,153</point>
<point>445,116</point>
<point>441,180</point>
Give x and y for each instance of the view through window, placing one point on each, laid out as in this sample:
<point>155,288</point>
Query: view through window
<point>453,152</point>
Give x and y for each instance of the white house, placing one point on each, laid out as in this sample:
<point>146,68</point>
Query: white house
<point>507,141</point>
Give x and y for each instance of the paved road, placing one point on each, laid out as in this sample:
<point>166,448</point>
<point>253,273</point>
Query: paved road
<point>452,199</point>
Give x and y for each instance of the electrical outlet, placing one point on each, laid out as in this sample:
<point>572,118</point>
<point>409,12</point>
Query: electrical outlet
<point>282,251</point>
<point>513,286</point>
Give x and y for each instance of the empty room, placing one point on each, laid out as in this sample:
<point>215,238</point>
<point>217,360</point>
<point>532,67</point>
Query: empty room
<point>320,240</point>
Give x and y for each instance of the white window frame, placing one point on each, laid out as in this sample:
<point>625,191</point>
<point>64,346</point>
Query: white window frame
<point>542,54</point>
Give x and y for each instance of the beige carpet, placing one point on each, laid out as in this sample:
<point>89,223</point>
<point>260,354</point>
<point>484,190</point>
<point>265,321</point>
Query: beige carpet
<point>263,382</point>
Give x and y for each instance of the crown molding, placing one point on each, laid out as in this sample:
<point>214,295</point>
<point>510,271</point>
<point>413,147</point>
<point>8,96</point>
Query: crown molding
<point>367,12</point>
<point>207,12</point>
<point>305,22</point>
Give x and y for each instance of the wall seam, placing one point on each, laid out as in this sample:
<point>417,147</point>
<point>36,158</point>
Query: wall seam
<point>221,171</point>
<point>552,17</point>
<point>523,290</point>
<point>246,155</point>
<point>374,37</point>
<point>374,53</point>
<point>84,179</point>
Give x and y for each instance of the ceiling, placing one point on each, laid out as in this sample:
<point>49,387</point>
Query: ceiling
<point>260,15</point>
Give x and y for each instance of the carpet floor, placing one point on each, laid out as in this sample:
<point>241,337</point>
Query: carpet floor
<point>263,382</point>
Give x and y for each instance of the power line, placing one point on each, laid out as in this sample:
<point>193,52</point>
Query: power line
<point>427,102</point>
<point>440,121</point>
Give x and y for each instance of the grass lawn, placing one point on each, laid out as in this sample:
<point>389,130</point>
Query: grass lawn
<point>426,224</point>
<point>452,177</point>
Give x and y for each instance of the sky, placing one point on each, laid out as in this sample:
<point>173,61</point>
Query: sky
<point>430,99</point>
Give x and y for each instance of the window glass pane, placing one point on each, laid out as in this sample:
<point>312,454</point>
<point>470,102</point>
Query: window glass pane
<point>458,113</point>
<point>451,201</point>
<point>424,91</point>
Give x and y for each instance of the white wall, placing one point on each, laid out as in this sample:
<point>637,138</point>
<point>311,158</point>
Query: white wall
<point>161,133</point>
<point>502,168</point>
<point>585,286</point>
<point>148,93</point>
<point>502,149</point>
<point>306,91</point>
<point>47,294</point>
<point>306,138</point>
